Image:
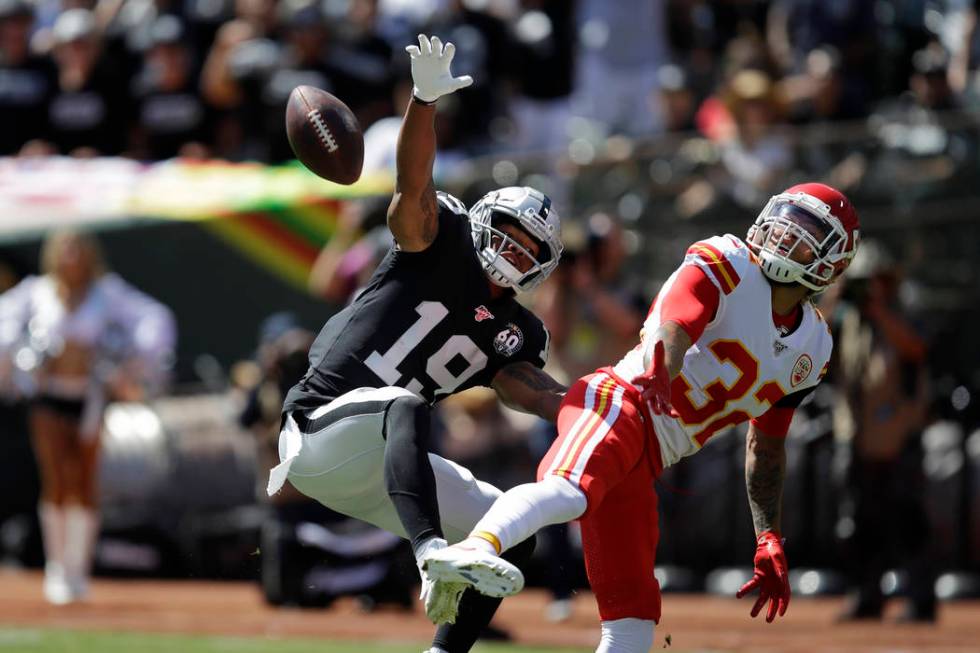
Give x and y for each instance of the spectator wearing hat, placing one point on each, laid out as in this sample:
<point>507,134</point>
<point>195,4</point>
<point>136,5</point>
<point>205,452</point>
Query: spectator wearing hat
<point>757,154</point>
<point>171,117</point>
<point>26,80</point>
<point>87,113</point>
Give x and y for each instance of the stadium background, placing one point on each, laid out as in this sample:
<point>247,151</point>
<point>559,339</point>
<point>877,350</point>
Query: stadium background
<point>678,117</point>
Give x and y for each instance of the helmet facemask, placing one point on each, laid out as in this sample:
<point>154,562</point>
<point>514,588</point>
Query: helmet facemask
<point>529,211</point>
<point>799,240</point>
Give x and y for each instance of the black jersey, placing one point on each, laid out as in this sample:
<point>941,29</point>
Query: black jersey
<point>424,322</point>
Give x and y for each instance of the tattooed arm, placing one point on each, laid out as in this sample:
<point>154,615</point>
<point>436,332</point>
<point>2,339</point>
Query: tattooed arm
<point>676,343</point>
<point>765,469</point>
<point>413,212</point>
<point>526,388</point>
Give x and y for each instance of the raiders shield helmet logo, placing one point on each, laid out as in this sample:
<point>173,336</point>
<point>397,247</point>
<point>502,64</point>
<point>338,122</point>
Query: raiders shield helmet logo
<point>509,341</point>
<point>801,370</point>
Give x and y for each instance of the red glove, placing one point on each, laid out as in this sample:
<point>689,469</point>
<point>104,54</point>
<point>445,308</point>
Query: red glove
<point>655,382</point>
<point>771,576</point>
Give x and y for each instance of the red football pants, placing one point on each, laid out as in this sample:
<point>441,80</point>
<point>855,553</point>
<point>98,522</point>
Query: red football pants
<point>606,448</point>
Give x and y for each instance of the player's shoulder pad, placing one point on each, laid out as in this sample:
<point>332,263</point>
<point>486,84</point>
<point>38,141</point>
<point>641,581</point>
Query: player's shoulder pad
<point>452,203</point>
<point>725,259</point>
<point>820,342</point>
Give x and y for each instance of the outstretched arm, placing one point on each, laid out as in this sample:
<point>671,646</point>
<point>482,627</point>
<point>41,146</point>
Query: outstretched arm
<point>413,213</point>
<point>765,469</point>
<point>529,389</point>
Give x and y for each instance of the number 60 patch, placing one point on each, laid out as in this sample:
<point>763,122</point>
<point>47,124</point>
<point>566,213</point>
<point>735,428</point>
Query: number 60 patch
<point>509,341</point>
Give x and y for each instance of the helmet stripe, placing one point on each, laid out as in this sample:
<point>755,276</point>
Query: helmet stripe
<point>545,207</point>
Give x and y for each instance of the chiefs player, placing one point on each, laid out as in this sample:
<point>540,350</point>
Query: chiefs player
<point>732,337</point>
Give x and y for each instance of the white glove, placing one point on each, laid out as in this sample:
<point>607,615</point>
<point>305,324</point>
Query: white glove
<point>430,69</point>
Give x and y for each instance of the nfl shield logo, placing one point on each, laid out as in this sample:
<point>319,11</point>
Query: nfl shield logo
<point>482,313</point>
<point>801,370</point>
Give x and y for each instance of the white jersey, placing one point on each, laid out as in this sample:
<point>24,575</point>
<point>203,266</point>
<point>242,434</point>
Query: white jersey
<point>741,365</point>
<point>113,316</point>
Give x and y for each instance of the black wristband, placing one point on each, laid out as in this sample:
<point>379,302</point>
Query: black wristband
<point>417,100</point>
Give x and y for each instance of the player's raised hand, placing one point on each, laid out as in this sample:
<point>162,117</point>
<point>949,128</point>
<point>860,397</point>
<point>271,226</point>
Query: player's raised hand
<point>771,577</point>
<point>430,69</point>
<point>655,382</point>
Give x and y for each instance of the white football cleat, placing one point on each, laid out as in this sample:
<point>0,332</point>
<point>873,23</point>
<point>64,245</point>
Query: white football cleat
<point>486,573</point>
<point>441,600</point>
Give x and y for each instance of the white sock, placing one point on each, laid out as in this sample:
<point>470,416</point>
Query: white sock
<point>81,531</point>
<point>626,636</point>
<point>524,510</point>
<point>425,547</point>
<point>52,518</point>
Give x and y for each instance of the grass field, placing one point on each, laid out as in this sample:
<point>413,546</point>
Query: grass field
<point>167,616</point>
<point>66,641</point>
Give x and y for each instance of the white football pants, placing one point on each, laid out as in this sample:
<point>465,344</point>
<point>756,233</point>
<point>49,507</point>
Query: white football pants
<point>341,465</point>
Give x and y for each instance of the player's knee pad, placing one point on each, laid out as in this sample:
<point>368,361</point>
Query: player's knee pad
<point>626,636</point>
<point>407,416</point>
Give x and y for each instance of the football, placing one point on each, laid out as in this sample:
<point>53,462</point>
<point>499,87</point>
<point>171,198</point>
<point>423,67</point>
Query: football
<point>324,134</point>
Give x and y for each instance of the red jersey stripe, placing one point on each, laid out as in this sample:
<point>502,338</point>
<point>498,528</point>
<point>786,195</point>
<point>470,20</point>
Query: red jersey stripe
<point>603,398</point>
<point>720,267</point>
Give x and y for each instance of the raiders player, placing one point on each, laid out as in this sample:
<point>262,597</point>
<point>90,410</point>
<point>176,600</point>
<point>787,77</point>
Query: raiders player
<point>437,317</point>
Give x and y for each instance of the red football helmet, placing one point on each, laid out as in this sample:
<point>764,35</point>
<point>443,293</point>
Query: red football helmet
<point>807,234</point>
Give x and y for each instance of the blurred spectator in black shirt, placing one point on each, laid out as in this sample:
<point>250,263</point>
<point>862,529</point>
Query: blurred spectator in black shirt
<point>820,92</point>
<point>483,50</point>
<point>26,81</point>
<point>676,99</point>
<point>929,82</point>
<point>87,113</point>
<point>171,118</point>
<point>544,33</point>
<point>361,61</point>
<point>797,27</point>
<point>251,76</point>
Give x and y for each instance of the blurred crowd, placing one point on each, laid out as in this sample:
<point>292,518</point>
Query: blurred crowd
<point>154,79</point>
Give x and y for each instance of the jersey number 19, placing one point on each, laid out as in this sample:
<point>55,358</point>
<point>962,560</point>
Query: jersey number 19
<point>430,314</point>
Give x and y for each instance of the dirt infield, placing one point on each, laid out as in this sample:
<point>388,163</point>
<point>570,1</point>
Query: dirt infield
<point>694,622</point>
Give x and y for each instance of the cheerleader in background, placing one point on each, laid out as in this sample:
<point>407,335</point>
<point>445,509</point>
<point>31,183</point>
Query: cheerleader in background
<point>71,340</point>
